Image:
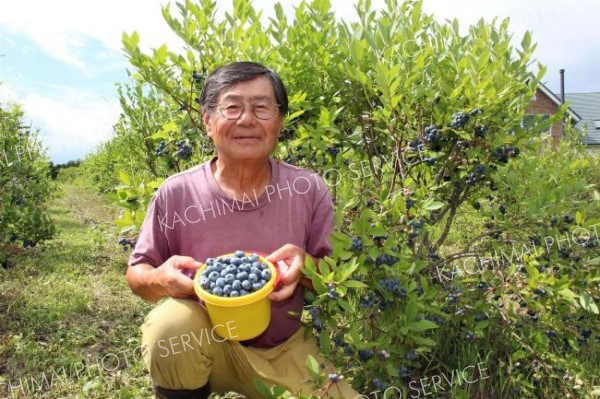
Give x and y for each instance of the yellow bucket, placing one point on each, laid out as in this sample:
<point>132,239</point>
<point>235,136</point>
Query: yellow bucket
<point>239,318</point>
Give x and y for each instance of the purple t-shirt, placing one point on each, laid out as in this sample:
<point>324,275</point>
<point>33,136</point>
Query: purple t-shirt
<point>190,215</point>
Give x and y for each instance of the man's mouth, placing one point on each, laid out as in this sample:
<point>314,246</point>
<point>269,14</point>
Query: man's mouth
<point>246,137</point>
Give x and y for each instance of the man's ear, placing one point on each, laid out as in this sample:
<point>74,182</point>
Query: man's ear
<point>281,126</point>
<point>207,123</point>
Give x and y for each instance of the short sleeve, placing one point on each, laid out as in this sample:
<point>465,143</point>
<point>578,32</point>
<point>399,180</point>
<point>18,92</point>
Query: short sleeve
<point>152,245</point>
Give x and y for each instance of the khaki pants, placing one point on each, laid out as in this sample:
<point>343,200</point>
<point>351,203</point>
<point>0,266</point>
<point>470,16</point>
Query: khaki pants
<point>181,351</point>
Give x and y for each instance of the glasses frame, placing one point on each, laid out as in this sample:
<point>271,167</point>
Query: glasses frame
<point>221,107</point>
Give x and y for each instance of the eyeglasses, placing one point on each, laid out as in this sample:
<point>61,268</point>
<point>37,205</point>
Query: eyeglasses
<point>233,110</point>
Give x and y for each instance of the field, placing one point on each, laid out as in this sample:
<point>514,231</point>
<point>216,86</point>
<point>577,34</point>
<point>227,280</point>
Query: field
<point>70,325</point>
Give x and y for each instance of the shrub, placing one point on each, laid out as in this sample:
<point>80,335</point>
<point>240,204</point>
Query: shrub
<point>441,264</point>
<point>25,182</point>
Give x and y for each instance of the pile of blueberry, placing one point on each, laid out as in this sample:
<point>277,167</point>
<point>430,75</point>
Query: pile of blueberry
<point>236,275</point>
<point>459,120</point>
<point>127,243</point>
<point>161,149</point>
<point>503,153</point>
<point>477,174</point>
<point>432,134</point>
<point>184,151</point>
<point>481,131</point>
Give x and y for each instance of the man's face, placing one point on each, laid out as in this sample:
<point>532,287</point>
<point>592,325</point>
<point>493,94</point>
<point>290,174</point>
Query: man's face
<point>248,137</point>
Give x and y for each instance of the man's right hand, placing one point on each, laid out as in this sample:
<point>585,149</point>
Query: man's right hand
<point>168,280</point>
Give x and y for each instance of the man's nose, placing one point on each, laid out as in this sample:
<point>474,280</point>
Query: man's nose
<point>247,117</point>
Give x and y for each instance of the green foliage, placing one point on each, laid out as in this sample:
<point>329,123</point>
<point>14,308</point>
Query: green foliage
<point>25,182</point>
<point>426,124</point>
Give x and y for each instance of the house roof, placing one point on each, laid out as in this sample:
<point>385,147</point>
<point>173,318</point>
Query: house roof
<point>574,115</point>
<point>588,106</point>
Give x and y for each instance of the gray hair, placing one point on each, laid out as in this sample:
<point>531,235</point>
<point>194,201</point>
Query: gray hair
<point>228,75</point>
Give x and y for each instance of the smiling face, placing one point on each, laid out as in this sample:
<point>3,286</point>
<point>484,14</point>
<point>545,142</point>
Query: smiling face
<point>246,138</point>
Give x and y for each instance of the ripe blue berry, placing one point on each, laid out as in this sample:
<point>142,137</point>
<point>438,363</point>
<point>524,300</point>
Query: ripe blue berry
<point>459,120</point>
<point>356,244</point>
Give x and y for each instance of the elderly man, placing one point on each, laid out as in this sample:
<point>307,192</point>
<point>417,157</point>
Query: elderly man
<point>241,199</point>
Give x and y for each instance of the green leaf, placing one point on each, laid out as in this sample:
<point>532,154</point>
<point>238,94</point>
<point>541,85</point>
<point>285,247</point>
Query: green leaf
<point>422,325</point>
<point>345,305</point>
<point>294,115</point>
<point>313,367</point>
<point>124,177</point>
<point>578,217</point>
<point>587,303</point>
<point>431,205</point>
<point>568,294</point>
<point>262,389</point>
<point>354,284</point>
<point>423,341</point>
<point>411,310</point>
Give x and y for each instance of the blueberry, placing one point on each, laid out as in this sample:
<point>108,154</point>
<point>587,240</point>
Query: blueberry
<point>256,286</point>
<point>246,285</point>
<point>242,276</point>
<point>204,282</point>
<point>244,292</point>
<point>234,293</point>
<point>236,261</point>
<point>236,285</point>
<point>218,291</point>
<point>256,265</point>
<point>229,278</point>
<point>213,276</point>
<point>480,317</point>
<point>481,131</point>
<point>266,274</point>
<point>365,354</point>
<point>404,372</point>
<point>356,244</point>
<point>411,355</point>
<point>245,267</point>
<point>240,254</point>
<point>231,269</point>
<point>253,258</point>
<point>253,277</point>
<point>227,290</point>
<point>212,285</point>
<point>221,282</point>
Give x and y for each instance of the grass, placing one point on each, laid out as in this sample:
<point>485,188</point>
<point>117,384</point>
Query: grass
<point>70,325</point>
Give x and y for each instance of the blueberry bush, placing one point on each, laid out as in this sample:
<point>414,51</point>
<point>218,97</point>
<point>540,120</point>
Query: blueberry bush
<point>25,183</point>
<point>473,244</point>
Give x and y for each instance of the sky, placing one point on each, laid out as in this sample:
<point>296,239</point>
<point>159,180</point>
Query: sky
<point>61,59</point>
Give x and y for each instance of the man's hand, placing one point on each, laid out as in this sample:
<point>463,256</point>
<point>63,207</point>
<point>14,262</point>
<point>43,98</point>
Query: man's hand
<point>293,256</point>
<point>172,278</point>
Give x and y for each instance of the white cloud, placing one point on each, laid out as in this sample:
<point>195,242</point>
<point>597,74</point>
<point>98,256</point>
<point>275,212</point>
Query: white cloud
<point>61,27</point>
<point>72,124</point>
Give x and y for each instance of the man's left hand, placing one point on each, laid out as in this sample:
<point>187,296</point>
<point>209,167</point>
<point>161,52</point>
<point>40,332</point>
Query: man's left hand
<point>293,256</point>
